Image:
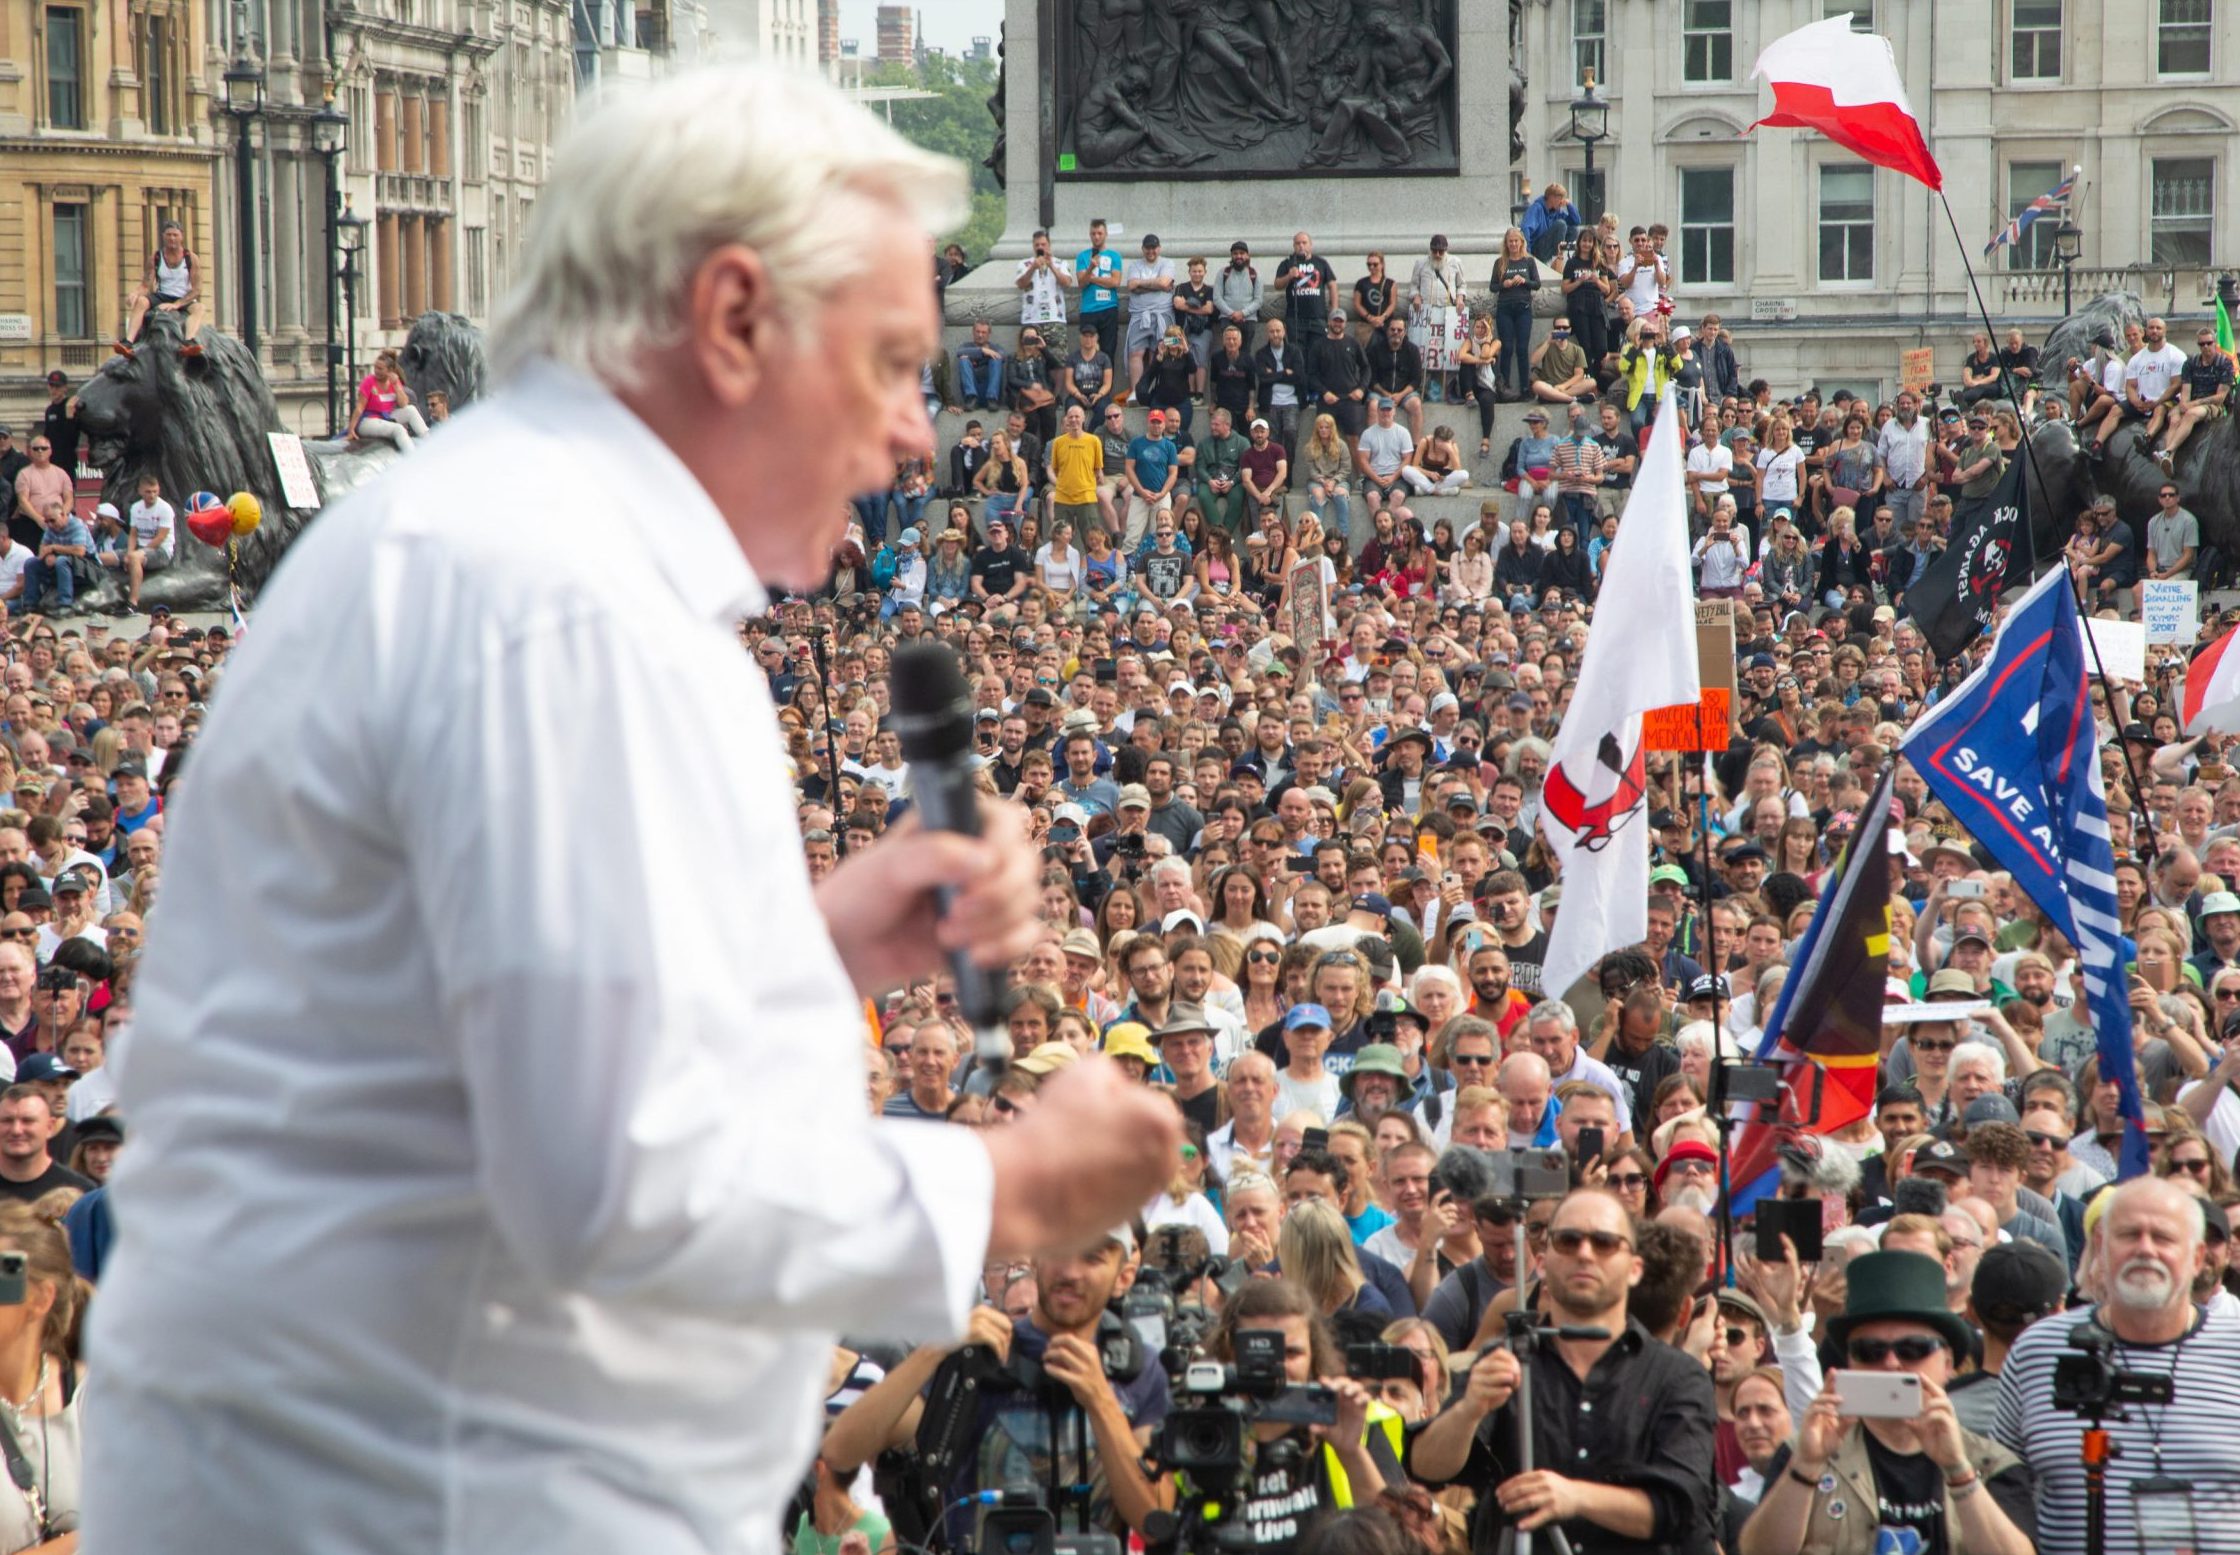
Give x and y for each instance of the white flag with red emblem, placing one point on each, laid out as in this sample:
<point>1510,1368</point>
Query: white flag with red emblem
<point>1641,654</point>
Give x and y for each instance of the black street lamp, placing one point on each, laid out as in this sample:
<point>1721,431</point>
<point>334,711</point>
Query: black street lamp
<point>350,242</point>
<point>330,136</point>
<point>244,80</point>
<point>2068,245</point>
<point>2228,293</point>
<point>1590,123</point>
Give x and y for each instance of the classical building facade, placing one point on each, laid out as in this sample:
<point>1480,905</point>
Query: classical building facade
<point>105,134</point>
<point>782,30</point>
<point>1826,268</point>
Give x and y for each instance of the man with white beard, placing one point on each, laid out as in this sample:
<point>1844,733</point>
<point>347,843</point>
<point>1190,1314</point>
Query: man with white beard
<point>2150,1245</point>
<point>1689,1175</point>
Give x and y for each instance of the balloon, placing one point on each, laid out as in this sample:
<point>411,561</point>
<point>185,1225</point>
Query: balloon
<point>211,525</point>
<point>204,501</point>
<point>246,510</point>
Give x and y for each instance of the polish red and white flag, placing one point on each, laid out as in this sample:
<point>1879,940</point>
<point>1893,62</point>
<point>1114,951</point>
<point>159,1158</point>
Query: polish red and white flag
<point>1845,84</point>
<point>2212,695</point>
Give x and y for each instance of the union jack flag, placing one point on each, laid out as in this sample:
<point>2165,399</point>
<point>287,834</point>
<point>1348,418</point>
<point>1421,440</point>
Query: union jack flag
<point>2013,230</point>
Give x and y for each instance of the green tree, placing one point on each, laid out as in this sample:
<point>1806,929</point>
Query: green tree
<point>954,122</point>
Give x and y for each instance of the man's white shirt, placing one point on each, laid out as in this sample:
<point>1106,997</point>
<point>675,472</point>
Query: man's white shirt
<point>512,1190</point>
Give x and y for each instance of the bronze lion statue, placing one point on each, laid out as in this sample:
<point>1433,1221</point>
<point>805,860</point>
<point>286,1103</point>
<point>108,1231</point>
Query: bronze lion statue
<point>200,423</point>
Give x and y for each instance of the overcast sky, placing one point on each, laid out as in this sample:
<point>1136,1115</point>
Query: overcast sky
<point>949,23</point>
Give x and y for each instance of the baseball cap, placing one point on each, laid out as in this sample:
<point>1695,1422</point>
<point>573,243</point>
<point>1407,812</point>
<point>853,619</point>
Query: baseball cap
<point>1536,414</point>
<point>72,880</point>
<point>1940,1156</point>
<point>2018,1282</point>
<point>1306,1015</point>
<point>1180,916</point>
<point>1371,902</point>
<point>1072,813</point>
<point>1990,1108</point>
<point>910,536</point>
<point>1133,796</point>
<point>107,510</point>
<point>1668,874</point>
<point>1708,986</point>
<point>43,1067</point>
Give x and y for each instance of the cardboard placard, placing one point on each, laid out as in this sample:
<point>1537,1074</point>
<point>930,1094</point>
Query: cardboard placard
<point>1310,608</point>
<point>296,482</point>
<point>2123,648</point>
<point>1917,368</point>
<point>1689,726</point>
<point>1715,647</point>
<point>2170,609</point>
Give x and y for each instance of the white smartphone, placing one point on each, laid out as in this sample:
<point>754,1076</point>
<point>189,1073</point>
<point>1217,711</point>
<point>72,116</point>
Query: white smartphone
<point>1878,1395</point>
<point>1964,890</point>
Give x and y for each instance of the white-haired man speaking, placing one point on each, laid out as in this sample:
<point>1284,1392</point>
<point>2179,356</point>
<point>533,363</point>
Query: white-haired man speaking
<point>500,1172</point>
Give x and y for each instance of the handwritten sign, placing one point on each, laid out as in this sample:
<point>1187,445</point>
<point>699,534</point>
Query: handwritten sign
<point>1917,369</point>
<point>1715,647</point>
<point>1689,726</point>
<point>1310,605</point>
<point>296,482</point>
<point>2170,609</point>
<point>2123,648</point>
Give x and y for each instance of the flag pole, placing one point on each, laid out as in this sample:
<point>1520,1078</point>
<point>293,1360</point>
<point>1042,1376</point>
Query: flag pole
<point>1716,1091</point>
<point>2030,454</point>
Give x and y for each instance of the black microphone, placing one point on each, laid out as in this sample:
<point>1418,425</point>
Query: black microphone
<point>1919,1196</point>
<point>933,718</point>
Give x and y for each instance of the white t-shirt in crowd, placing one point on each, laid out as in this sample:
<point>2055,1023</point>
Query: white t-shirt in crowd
<point>1389,447</point>
<point>1057,574</point>
<point>2154,371</point>
<point>150,519</point>
<point>12,563</point>
<point>1712,459</point>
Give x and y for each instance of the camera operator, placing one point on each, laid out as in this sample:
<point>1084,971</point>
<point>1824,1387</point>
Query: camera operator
<point>2149,1248</point>
<point>1855,1487</point>
<point>1624,1423</point>
<point>1343,1465</point>
<point>1032,1435</point>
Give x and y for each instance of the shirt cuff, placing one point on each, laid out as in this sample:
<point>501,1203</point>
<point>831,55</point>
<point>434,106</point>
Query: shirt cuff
<point>952,1183</point>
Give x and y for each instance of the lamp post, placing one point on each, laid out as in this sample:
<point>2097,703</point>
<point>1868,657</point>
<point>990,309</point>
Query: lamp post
<point>1590,123</point>
<point>245,101</point>
<point>350,241</point>
<point>2068,244</point>
<point>330,135</point>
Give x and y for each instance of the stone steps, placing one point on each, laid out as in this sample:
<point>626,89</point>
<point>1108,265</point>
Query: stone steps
<point>1461,508</point>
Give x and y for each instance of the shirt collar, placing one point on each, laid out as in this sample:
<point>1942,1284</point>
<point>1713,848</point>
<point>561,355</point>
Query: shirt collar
<point>687,539</point>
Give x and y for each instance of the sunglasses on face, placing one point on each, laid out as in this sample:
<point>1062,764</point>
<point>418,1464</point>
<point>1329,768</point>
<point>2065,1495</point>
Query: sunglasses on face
<point>1626,1182</point>
<point>1739,1339</point>
<point>2199,1164</point>
<point>1570,1241</point>
<point>2049,1141</point>
<point>1911,1350</point>
<point>1267,957</point>
<point>1470,1060</point>
<point>1934,1047</point>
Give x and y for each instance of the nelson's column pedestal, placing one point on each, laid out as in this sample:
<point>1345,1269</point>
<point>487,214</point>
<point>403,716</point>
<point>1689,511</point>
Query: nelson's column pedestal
<point>1369,123</point>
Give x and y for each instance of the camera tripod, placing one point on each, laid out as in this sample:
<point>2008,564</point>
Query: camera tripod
<point>1526,1335</point>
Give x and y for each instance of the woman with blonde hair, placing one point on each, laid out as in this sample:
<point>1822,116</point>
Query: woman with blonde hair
<point>1328,464</point>
<point>40,1377</point>
<point>1516,276</point>
<point>1316,1253</point>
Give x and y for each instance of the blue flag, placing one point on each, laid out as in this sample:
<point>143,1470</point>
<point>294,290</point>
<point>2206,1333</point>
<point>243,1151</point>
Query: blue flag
<point>2014,755</point>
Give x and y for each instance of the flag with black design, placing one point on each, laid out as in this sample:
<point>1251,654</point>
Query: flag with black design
<point>1989,549</point>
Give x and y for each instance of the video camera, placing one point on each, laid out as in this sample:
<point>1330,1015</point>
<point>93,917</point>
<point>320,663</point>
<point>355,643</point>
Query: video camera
<point>1205,1438</point>
<point>1161,1307</point>
<point>2091,1384</point>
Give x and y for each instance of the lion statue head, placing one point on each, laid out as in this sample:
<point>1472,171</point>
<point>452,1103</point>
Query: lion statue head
<point>197,423</point>
<point>443,355</point>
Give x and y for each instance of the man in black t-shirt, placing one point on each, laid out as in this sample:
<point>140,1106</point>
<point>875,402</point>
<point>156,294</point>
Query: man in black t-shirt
<point>27,1167</point>
<point>1310,286</point>
<point>1000,570</point>
<point>2204,394</point>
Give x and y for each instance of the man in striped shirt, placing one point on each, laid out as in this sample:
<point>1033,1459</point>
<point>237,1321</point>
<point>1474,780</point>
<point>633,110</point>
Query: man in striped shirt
<point>2150,1244</point>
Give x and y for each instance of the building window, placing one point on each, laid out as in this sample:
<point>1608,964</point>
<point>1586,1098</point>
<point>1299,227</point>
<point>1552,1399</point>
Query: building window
<point>1587,23</point>
<point>478,273</point>
<point>475,144</point>
<point>72,282</point>
<point>2036,53</point>
<point>66,55</point>
<point>2183,211</point>
<point>1707,40</point>
<point>155,73</point>
<point>1846,223</point>
<point>1706,226</point>
<point>2181,43</point>
<point>1861,12</point>
<point>2025,182</point>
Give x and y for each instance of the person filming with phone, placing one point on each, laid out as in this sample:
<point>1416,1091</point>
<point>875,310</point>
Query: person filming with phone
<point>1881,1462</point>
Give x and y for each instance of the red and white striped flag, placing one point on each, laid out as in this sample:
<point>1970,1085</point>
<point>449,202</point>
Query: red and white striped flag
<point>1845,84</point>
<point>2212,699</point>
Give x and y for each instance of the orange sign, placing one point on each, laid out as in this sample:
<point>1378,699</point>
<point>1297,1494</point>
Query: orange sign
<point>1917,369</point>
<point>1689,726</point>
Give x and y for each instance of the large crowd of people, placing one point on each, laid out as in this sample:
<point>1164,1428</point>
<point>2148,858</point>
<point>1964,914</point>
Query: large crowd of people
<point>1292,877</point>
<point>1281,744</point>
